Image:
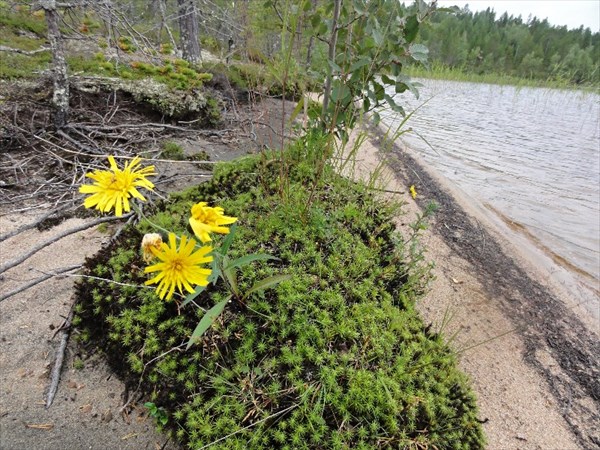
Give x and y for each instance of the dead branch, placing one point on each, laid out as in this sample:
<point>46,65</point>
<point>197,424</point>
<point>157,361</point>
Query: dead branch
<point>4,48</point>
<point>39,280</point>
<point>31,225</point>
<point>75,142</point>
<point>65,233</point>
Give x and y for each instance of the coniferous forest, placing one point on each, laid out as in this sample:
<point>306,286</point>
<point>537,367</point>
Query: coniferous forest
<point>484,42</point>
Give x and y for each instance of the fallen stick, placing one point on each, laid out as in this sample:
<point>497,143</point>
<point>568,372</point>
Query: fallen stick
<point>33,251</point>
<point>31,225</point>
<point>38,281</point>
<point>65,329</point>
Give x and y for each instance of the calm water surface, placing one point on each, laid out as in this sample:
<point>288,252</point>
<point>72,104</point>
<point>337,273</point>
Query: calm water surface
<point>531,155</point>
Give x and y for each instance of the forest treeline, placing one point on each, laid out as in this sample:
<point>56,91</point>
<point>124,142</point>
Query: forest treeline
<point>263,31</point>
<point>484,43</point>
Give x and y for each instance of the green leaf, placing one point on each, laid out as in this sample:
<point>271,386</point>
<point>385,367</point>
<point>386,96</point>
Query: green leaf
<point>358,64</point>
<point>228,240</point>
<point>395,106</point>
<point>403,83</point>
<point>315,20</point>
<point>411,28</point>
<point>266,284</point>
<point>366,104</point>
<point>247,259</point>
<point>379,91</point>
<point>215,268</point>
<point>151,406</point>
<point>419,52</point>
<point>377,36</point>
<point>418,48</point>
<point>334,67</point>
<point>387,80</point>
<point>231,279</point>
<point>359,7</point>
<point>206,321</point>
<point>193,295</point>
<point>299,107</point>
<point>340,92</point>
<point>376,118</point>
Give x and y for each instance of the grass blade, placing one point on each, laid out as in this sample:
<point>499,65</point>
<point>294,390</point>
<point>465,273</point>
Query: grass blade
<point>228,240</point>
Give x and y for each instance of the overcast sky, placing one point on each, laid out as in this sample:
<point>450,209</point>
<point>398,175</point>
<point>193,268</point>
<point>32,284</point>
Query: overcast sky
<point>571,13</point>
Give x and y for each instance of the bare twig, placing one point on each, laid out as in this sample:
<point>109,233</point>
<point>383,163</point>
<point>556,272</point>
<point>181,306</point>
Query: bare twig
<point>65,233</point>
<point>39,280</point>
<point>3,48</point>
<point>31,225</point>
<point>60,356</point>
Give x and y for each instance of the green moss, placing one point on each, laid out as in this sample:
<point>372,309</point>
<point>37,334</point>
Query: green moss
<point>172,150</point>
<point>22,19</point>
<point>335,357</point>
<point>24,31</point>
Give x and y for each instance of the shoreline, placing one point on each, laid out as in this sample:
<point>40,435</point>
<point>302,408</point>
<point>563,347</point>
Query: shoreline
<point>556,344</point>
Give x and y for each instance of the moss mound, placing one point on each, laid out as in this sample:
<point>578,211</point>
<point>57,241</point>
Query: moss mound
<point>335,357</point>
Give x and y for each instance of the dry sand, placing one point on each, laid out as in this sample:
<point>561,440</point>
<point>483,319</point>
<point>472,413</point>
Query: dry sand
<point>528,399</point>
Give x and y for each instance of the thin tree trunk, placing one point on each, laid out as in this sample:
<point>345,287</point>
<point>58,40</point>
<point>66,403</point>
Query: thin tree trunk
<point>331,54</point>
<point>188,28</point>
<point>165,24</point>
<point>60,97</point>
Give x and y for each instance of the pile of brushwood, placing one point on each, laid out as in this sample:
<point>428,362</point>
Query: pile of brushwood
<point>335,356</point>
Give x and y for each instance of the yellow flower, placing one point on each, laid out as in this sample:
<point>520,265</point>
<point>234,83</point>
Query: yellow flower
<point>150,241</point>
<point>113,188</point>
<point>179,268</point>
<point>413,192</point>
<point>206,219</point>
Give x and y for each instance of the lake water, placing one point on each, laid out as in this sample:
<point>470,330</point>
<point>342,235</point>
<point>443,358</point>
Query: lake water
<point>529,155</point>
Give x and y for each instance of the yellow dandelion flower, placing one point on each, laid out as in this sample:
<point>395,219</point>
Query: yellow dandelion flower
<point>179,268</point>
<point>205,220</point>
<point>150,241</point>
<point>413,192</point>
<point>113,188</point>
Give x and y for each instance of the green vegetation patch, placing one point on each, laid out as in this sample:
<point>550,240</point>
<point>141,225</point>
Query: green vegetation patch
<point>268,79</point>
<point>334,357</point>
<point>22,30</point>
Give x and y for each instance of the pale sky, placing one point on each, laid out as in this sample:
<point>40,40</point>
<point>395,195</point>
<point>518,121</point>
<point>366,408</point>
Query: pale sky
<point>571,13</point>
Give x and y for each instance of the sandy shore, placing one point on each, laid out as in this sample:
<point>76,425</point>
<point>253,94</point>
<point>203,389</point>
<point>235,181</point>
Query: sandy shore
<point>530,349</point>
<point>532,359</point>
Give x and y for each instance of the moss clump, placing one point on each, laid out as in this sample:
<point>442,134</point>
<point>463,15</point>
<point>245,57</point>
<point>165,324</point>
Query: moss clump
<point>336,357</point>
<point>172,150</point>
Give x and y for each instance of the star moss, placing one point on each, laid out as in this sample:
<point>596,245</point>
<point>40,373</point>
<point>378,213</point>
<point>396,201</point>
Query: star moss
<point>335,357</point>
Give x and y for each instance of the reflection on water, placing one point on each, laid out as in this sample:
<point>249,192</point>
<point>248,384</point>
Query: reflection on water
<point>531,154</point>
